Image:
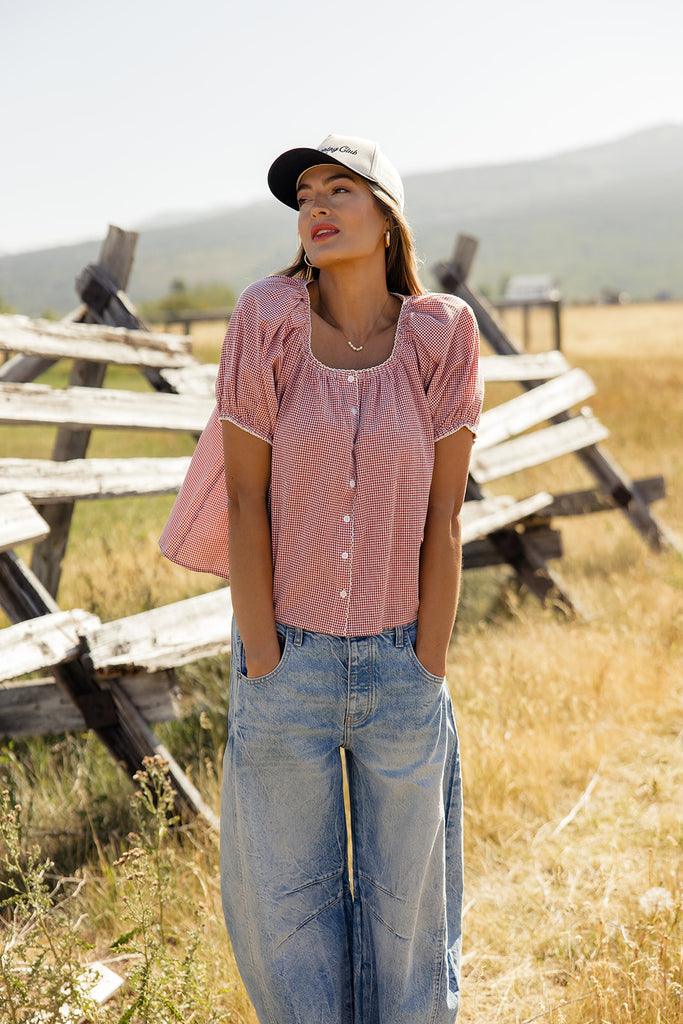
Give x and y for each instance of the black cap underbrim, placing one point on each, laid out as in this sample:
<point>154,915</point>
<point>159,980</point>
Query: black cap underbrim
<point>285,172</point>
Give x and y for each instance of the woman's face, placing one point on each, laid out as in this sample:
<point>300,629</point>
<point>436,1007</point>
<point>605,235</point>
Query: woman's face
<point>339,218</point>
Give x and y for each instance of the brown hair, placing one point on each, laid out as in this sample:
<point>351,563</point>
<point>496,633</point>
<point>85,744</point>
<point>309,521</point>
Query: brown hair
<point>401,261</point>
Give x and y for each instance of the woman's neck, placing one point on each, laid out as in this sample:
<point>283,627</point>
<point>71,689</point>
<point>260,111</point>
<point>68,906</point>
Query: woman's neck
<point>355,321</point>
<point>353,301</point>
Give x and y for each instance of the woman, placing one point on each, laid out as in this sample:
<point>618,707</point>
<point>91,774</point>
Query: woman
<point>348,400</point>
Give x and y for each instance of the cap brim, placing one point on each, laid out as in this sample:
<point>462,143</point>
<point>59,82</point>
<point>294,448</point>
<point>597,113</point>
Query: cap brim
<point>285,172</point>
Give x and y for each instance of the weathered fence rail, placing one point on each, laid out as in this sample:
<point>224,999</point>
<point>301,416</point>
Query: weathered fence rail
<point>39,707</point>
<point>525,366</point>
<point>20,523</point>
<point>512,456</point>
<point>46,482</point>
<point>162,638</point>
<point>85,408</point>
<point>37,644</point>
<point>93,343</point>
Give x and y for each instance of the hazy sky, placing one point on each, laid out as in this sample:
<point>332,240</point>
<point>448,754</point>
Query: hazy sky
<point>114,113</point>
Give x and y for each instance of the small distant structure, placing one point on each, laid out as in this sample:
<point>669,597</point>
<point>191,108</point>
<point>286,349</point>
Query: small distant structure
<point>525,291</point>
<point>613,297</point>
<point>532,288</point>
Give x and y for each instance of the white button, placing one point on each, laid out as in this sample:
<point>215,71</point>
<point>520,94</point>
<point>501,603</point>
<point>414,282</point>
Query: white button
<point>342,593</point>
<point>350,378</point>
<point>354,411</point>
<point>347,519</point>
<point>352,483</point>
<point>345,554</point>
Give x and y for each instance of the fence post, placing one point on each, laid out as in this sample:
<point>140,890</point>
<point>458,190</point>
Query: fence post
<point>116,257</point>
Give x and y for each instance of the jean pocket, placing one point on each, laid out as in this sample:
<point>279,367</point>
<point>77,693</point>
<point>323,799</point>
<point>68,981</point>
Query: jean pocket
<point>283,640</point>
<point>408,643</point>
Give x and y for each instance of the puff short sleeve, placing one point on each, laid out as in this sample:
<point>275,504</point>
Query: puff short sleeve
<point>246,389</point>
<point>196,533</point>
<point>448,339</point>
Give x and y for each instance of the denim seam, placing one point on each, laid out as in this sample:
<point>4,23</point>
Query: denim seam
<point>354,722</point>
<point>386,924</point>
<point>371,909</point>
<point>351,719</point>
<point>311,917</point>
<point>443,942</point>
<point>315,881</point>
<point>376,885</point>
<point>243,895</point>
<point>438,979</point>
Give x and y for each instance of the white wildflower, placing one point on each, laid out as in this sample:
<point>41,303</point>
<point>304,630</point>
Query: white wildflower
<point>656,900</point>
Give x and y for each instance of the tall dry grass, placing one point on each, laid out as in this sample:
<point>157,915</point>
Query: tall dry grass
<point>571,733</point>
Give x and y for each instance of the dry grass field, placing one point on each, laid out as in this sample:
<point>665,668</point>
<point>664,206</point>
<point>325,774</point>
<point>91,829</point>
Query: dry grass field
<point>571,733</point>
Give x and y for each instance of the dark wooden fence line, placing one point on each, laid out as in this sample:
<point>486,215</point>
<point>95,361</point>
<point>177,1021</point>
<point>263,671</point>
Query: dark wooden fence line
<point>188,317</point>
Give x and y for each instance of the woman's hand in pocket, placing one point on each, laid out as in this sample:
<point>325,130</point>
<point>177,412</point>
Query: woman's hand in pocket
<point>264,660</point>
<point>431,660</point>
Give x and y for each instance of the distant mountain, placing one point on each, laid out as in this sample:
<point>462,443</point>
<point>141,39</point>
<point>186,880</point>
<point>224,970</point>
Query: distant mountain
<point>602,216</point>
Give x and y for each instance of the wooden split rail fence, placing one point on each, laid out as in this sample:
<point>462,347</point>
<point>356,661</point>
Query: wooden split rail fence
<point>568,433</point>
<point>117,678</point>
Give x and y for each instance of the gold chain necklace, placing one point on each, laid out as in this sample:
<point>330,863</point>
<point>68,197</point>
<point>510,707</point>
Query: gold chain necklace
<point>333,323</point>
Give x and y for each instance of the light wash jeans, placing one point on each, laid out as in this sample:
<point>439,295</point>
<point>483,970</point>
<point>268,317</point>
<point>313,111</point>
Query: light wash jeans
<point>310,952</point>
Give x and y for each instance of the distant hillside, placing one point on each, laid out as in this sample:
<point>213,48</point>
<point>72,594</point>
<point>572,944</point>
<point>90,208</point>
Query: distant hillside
<point>603,216</point>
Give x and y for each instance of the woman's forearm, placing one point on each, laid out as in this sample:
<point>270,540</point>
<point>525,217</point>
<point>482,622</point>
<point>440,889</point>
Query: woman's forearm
<point>251,584</point>
<point>440,562</point>
<point>247,478</point>
<point>441,552</point>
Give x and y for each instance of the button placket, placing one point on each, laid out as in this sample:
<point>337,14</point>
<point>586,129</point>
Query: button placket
<point>354,379</point>
<point>346,554</point>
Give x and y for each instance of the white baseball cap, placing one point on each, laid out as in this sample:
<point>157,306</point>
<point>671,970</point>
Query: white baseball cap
<point>362,156</point>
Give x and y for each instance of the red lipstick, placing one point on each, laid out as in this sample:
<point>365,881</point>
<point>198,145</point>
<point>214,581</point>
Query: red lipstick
<point>323,226</point>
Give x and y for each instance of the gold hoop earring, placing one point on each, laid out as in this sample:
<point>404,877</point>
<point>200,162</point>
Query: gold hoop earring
<point>308,262</point>
<point>387,238</point>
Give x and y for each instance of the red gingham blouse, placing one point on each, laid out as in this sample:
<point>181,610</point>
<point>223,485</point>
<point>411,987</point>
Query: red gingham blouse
<point>352,455</point>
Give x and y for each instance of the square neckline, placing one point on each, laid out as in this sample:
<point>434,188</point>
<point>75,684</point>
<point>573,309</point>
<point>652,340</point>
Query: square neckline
<point>352,369</point>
